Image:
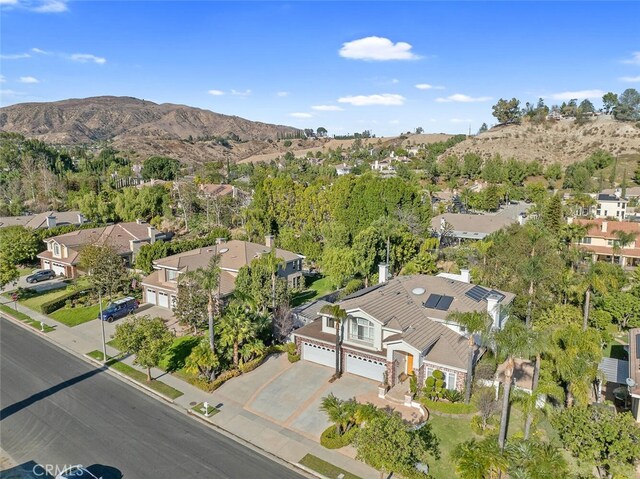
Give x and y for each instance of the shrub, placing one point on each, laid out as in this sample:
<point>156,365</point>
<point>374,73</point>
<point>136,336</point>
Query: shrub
<point>331,440</point>
<point>478,427</point>
<point>434,385</point>
<point>287,143</point>
<point>452,395</point>
<point>449,408</point>
<point>55,304</point>
<point>223,378</point>
<point>293,358</point>
<point>251,365</point>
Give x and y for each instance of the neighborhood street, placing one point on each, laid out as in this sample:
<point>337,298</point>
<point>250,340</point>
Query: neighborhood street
<point>57,410</point>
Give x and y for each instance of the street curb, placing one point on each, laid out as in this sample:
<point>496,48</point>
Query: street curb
<point>130,380</point>
<point>294,466</point>
<point>149,392</point>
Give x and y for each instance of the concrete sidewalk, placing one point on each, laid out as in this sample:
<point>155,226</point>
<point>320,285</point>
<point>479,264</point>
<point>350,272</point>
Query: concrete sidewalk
<point>233,418</point>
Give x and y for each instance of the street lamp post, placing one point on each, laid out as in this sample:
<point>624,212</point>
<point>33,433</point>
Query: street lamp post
<point>104,341</point>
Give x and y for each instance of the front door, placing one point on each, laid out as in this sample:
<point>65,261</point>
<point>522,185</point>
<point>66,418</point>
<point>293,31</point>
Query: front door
<point>409,364</point>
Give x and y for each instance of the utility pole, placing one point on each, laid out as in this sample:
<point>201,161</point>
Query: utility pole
<point>104,340</point>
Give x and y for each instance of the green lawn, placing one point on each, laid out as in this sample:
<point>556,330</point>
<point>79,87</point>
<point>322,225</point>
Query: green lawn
<point>138,376</point>
<point>211,411</point>
<point>177,353</point>
<point>34,302</point>
<point>26,270</point>
<point>314,288</point>
<point>25,318</point>
<point>325,468</point>
<point>75,316</point>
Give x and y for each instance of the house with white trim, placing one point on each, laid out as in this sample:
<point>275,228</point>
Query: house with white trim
<point>401,327</point>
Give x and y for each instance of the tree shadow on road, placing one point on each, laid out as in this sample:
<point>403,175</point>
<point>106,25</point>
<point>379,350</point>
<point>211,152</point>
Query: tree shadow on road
<point>16,407</point>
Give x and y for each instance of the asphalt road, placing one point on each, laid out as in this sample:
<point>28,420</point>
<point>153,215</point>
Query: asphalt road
<point>57,409</point>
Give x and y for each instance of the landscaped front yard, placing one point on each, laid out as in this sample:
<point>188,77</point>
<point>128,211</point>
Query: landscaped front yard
<point>315,287</point>
<point>78,315</point>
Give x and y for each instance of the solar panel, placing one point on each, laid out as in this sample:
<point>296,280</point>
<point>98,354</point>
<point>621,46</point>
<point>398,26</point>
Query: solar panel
<point>477,293</point>
<point>444,303</point>
<point>432,301</point>
<point>497,293</point>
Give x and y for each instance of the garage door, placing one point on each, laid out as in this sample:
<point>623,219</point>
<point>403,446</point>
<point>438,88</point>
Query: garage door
<point>163,299</point>
<point>365,367</point>
<point>318,354</point>
<point>151,296</point>
<point>57,268</point>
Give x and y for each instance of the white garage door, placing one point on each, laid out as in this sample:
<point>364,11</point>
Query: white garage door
<point>163,299</point>
<point>368,368</point>
<point>318,354</point>
<point>151,296</point>
<point>57,268</point>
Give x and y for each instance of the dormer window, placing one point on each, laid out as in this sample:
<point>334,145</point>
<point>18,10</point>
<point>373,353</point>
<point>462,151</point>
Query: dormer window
<point>56,249</point>
<point>172,275</point>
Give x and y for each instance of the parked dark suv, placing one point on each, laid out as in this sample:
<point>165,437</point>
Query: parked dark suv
<point>119,308</point>
<point>42,275</point>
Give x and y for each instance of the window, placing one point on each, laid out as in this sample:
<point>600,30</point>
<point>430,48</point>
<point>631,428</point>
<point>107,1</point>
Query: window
<point>331,323</point>
<point>449,378</point>
<point>295,265</point>
<point>586,240</point>
<point>171,275</point>
<point>56,249</point>
<point>361,330</point>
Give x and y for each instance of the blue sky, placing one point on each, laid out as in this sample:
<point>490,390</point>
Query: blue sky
<point>387,67</point>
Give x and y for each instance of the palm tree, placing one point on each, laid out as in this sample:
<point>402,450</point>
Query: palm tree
<point>535,460</point>
<point>598,278</point>
<point>236,328</point>
<point>513,341</point>
<point>339,316</point>
<point>209,280</point>
<point>479,460</point>
<point>539,344</point>
<point>273,263</point>
<point>202,360</point>
<point>340,412</point>
<point>624,239</point>
<point>473,323</point>
<point>576,356</point>
<point>252,349</point>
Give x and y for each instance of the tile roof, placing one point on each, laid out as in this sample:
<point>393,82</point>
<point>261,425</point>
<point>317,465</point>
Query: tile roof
<point>39,220</point>
<point>466,223</point>
<point>234,255</point>
<point>227,282</point>
<point>594,227</point>
<point>214,189</point>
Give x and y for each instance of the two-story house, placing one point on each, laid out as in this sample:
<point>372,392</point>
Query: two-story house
<point>161,286</point>
<point>63,251</point>
<point>603,242</point>
<point>609,206</point>
<point>402,327</point>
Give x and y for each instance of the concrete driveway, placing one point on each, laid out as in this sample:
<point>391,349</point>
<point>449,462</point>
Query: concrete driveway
<point>54,283</point>
<point>289,395</point>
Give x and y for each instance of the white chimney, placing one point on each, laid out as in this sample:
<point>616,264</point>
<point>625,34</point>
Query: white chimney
<point>603,227</point>
<point>493,310</point>
<point>51,221</point>
<point>520,219</point>
<point>80,218</point>
<point>220,240</point>
<point>151,231</point>
<point>383,273</point>
<point>139,221</point>
<point>465,276</point>
<point>443,224</point>
<point>268,241</point>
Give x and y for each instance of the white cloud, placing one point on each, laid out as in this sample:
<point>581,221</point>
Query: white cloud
<point>427,86</point>
<point>241,93</point>
<point>460,120</point>
<point>215,92</point>
<point>630,79</point>
<point>29,80</point>
<point>395,81</point>
<point>282,94</point>
<point>51,6</point>
<point>570,95</point>
<point>2,79</point>
<point>326,108</point>
<point>10,93</point>
<point>8,2</point>
<point>460,98</point>
<point>87,57</point>
<point>386,99</point>
<point>301,115</point>
<point>377,49</point>
<point>40,51</point>
<point>634,60</point>
<point>15,56</point>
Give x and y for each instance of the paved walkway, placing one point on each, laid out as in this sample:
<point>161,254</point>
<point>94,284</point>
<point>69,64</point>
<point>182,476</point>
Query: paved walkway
<point>272,436</point>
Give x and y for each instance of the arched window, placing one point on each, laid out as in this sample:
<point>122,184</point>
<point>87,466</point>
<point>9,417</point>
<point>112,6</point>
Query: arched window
<point>361,329</point>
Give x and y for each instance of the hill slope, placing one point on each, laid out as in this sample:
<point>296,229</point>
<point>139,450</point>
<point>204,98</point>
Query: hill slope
<point>563,141</point>
<point>139,125</point>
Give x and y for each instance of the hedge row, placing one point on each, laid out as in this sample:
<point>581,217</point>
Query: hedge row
<point>448,407</point>
<point>331,440</point>
<point>57,303</point>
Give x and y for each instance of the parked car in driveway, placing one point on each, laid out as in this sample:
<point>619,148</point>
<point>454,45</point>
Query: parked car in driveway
<point>42,275</point>
<point>119,308</point>
<point>75,472</point>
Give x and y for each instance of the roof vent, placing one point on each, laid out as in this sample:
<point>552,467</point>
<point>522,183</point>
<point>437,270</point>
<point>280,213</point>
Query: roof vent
<point>418,291</point>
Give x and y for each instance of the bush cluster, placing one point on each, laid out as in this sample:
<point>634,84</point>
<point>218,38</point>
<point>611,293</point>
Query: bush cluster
<point>449,408</point>
<point>331,440</point>
<point>55,304</point>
